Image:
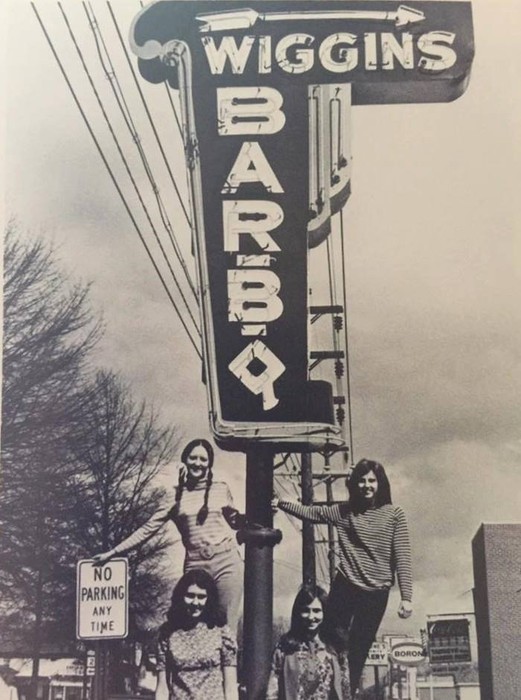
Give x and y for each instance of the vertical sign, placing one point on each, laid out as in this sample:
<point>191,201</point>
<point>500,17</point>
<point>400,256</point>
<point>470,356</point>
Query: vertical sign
<point>262,87</point>
<point>102,600</point>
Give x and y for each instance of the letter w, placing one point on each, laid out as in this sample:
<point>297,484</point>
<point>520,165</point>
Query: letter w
<point>227,49</point>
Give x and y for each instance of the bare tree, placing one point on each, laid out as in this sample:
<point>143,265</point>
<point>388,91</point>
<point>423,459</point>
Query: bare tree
<point>119,455</point>
<point>49,331</point>
<point>80,456</point>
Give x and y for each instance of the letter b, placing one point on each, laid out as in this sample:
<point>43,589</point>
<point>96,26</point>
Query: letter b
<point>249,110</point>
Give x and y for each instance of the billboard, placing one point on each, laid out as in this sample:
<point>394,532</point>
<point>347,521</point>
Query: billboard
<point>265,94</point>
<point>449,641</point>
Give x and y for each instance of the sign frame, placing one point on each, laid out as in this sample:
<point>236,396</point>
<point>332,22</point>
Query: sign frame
<point>204,50</point>
<point>121,595</point>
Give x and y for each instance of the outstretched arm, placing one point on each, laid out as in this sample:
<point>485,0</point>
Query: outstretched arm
<point>315,514</point>
<point>139,536</point>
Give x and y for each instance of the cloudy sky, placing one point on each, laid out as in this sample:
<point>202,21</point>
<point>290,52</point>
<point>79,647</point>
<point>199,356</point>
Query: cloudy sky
<point>434,264</point>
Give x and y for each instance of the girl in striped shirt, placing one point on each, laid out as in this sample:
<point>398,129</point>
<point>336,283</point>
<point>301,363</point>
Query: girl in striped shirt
<point>203,512</point>
<point>374,546</point>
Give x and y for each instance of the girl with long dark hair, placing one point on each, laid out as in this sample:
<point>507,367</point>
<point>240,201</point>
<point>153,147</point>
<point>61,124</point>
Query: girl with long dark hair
<point>374,546</point>
<point>203,511</point>
<point>305,665</point>
<point>197,652</point>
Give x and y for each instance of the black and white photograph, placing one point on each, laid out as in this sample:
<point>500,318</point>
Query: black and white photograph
<point>261,368</point>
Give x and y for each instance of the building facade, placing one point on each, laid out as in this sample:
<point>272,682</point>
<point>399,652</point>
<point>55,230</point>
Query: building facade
<point>496,551</point>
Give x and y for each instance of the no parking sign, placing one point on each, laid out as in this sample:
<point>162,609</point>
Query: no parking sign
<point>102,600</point>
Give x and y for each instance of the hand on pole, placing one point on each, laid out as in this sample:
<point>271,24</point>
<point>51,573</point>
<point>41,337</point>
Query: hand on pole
<point>274,504</point>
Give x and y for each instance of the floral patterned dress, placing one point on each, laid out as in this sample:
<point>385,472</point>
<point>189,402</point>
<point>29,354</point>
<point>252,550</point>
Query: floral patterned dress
<point>194,660</point>
<point>306,674</point>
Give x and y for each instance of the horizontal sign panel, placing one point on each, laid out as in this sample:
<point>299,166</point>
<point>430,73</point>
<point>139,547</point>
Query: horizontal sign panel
<point>408,653</point>
<point>378,655</point>
<point>449,641</point>
<point>389,52</point>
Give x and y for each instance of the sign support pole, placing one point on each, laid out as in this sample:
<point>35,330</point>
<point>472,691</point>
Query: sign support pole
<point>308,531</point>
<point>331,536</point>
<point>260,538</point>
<point>97,673</point>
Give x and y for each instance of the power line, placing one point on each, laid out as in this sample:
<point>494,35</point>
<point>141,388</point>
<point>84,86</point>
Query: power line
<point>109,170</point>
<point>131,177</point>
<point>111,74</point>
<point>127,168</point>
<point>167,164</point>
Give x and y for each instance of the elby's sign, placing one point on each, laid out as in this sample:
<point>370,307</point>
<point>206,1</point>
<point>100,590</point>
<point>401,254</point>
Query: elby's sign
<point>378,654</point>
<point>265,89</point>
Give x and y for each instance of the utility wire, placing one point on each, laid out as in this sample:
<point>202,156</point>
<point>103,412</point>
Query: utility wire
<point>131,177</point>
<point>109,170</point>
<point>167,164</point>
<point>111,74</point>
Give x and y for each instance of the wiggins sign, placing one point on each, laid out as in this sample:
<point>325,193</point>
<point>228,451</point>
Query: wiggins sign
<point>265,88</point>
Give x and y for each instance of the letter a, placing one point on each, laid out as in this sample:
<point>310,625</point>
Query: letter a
<point>251,165</point>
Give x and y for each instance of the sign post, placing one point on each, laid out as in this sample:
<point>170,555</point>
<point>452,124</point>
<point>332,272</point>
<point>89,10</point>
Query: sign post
<point>378,656</point>
<point>101,612</point>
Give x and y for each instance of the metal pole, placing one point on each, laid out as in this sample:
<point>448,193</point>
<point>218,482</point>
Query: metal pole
<point>331,535</point>
<point>85,677</point>
<point>376,683</point>
<point>260,538</point>
<point>308,530</point>
<point>97,671</point>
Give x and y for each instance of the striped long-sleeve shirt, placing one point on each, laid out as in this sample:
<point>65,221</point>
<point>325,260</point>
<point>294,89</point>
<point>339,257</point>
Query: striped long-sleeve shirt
<point>214,530</point>
<point>373,543</point>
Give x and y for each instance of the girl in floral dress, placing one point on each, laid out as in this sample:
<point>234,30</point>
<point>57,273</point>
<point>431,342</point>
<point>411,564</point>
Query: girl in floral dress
<point>197,654</point>
<point>305,666</point>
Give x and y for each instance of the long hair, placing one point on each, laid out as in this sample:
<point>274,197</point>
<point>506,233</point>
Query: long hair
<point>176,617</point>
<point>383,493</point>
<point>297,632</point>
<point>199,442</point>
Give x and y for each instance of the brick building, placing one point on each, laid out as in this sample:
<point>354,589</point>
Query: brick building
<point>496,551</point>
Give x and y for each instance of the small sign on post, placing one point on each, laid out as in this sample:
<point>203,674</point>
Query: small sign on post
<point>378,654</point>
<point>102,600</point>
<point>91,663</point>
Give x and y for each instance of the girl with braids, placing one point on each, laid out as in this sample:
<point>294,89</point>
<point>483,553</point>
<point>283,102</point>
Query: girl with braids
<point>203,511</point>
<point>305,666</point>
<point>374,547</point>
<point>197,652</point>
